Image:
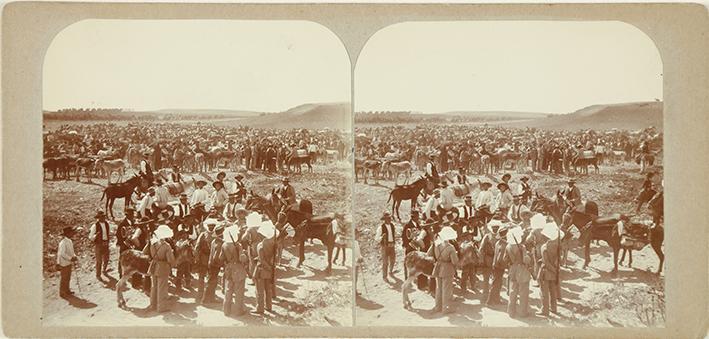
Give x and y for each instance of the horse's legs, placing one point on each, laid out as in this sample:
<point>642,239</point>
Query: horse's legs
<point>330,244</point>
<point>657,247</point>
<point>587,252</point>
<point>120,284</point>
<point>407,286</point>
<point>630,262</point>
<point>622,255</point>
<point>110,207</point>
<point>301,252</point>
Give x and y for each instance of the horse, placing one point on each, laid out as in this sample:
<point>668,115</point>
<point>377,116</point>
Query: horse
<point>584,160</point>
<point>373,166</point>
<point>417,263</point>
<point>110,166</point>
<point>312,227</point>
<point>394,169</point>
<point>134,261</point>
<point>646,160</point>
<point>407,192</point>
<point>200,162</point>
<point>61,164</point>
<point>293,160</point>
<point>120,190</point>
<point>656,232</point>
<point>88,164</point>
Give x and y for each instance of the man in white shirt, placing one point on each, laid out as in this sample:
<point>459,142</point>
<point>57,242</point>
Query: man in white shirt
<point>387,237</point>
<point>65,259</point>
<point>484,201</point>
<point>183,208</point>
<point>199,196</point>
<point>447,197</point>
<point>431,206</point>
<point>146,203</point>
<point>162,195</point>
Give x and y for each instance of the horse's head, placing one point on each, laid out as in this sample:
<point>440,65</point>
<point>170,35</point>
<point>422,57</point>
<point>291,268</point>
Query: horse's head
<point>544,205</point>
<point>468,254</point>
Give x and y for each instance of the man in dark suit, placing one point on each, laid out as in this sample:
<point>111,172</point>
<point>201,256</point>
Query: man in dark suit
<point>409,236</point>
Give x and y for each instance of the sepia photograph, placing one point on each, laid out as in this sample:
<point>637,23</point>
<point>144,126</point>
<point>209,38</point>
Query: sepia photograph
<point>194,174</point>
<point>509,174</point>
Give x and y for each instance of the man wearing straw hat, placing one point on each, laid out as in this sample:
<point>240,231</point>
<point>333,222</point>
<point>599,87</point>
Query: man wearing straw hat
<point>266,250</point>
<point>161,263</point>
<point>484,200</point>
<point>446,260</point>
<point>487,251</point>
<point>549,270</point>
<point>518,275</point>
<point>235,263</point>
<point>534,240</point>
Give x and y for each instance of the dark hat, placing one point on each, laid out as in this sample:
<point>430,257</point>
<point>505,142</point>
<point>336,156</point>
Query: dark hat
<point>214,184</point>
<point>524,178</point>
<point>158,181</point>
<point>99,214</point>
<point>130,209</point>
<point>165,215</point>
<point>502,184</point>
<point>219,229</point>
<point>233,195</point>
<point>468,197</point>
<point>183,195</point>
<point>572,180</point>
<point>238,176</point>
<point>221,174</point>
<point>415,212</point>
<point>68,231</point>
<point>286,179</point>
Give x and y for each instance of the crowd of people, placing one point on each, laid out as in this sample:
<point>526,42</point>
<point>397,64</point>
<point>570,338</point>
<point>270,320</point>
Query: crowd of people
<point>177,145</point>
<point>461,146</point>
<point>230,240</point>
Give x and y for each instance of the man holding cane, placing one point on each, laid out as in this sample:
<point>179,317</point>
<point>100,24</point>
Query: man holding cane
<point>65,259</point>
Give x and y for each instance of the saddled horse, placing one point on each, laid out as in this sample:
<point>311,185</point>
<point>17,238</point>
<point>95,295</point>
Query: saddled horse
<point>407,192</point>
<point>120,190</point>
<point>134,261</point>
<point>418,262</point>
<point>656,232</point>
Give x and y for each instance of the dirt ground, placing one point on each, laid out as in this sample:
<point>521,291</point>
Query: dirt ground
<point>634,297</point>
<point>306,295</point>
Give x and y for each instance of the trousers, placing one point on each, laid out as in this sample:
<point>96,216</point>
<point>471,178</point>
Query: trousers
<point>497,277</point>
<point>158,293</point>
<point>64,279</point>
<point>468,276</point>
<point>211,284</point>
<point>263,294</point>
<point>519,291</point>
<point>101,250</point>
<point>388,258</point>
<point>550,290</point>
<point>444,293</point>
<point>234,294</point>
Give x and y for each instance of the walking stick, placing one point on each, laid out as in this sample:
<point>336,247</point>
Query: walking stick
<point>364,281</point>
<point>76,276</point>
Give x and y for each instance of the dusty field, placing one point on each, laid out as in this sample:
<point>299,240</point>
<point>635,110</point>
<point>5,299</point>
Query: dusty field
<point>593,297</point>
<point>306,296</point>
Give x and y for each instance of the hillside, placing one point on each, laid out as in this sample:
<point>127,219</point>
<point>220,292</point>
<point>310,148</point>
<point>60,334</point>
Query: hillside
<point>222,112</point>
<point>315,116</point>
<point>494,115</point>
<point>634,115</point>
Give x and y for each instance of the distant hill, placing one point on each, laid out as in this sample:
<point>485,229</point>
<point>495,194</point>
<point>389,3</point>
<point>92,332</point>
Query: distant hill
<point>494,115</point>
<point>221,112</point>
<point>313,115</point>
<point>632,115</point>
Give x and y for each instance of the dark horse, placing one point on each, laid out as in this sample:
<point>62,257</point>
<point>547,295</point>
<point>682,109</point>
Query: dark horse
<point>302,220</point>
<point>407,192</point>
<point>120,190</point>
<point>656,232</point>
<point>586,222</point>
<point>294,160</point>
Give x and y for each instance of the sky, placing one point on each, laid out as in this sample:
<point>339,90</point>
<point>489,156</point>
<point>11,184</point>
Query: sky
<point>265,66</point>
<point>523,66</point>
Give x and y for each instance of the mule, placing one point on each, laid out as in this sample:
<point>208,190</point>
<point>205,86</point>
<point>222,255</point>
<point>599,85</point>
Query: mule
<point>417,263</point>
<point>294,161</point>
<point>406,192</point>
<point>134,261</point>
<point>120,190</point>
<point>315,227</point>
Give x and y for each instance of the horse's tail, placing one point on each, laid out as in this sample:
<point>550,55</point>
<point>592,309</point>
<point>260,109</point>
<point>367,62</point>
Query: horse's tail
<point>103,195</point>
<point>390,195</point>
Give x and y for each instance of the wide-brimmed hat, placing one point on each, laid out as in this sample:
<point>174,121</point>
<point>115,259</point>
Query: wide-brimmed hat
<point>158,181</point>
<point>240,209</point>
<point>285,179</point>
<point>267,229</point>
<point>238,176</point>
<point>233,195</point>
<point>514,235</point>
<point>147,154</point>
<point>414,212</point>
<point>211,221</point>
<point>502,184</point>
<point>164,215</point>
<point>163,232</point>
<point>221,174</point>
<point>99,214</point>
<point>214,184</point>
<point>447,233</point>
<point>200,183</point>
<point>231,234</point>
<point>219,229</point>
<point>482,183</point>
<point>253,219</point>
<point>385,215</point>
<point>571,181</point>
<point>552,231</point>
<point>525,213</point>
<point>494,223</point>
<point>68,231</point>
<point>183,195</point>
<point>524,178</point>
<point>468,197</point>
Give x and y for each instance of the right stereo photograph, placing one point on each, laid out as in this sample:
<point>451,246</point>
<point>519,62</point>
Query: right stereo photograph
<point>509,173</point>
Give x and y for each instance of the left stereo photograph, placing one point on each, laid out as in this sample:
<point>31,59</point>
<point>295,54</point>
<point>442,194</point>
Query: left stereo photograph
<point>194,172</point>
